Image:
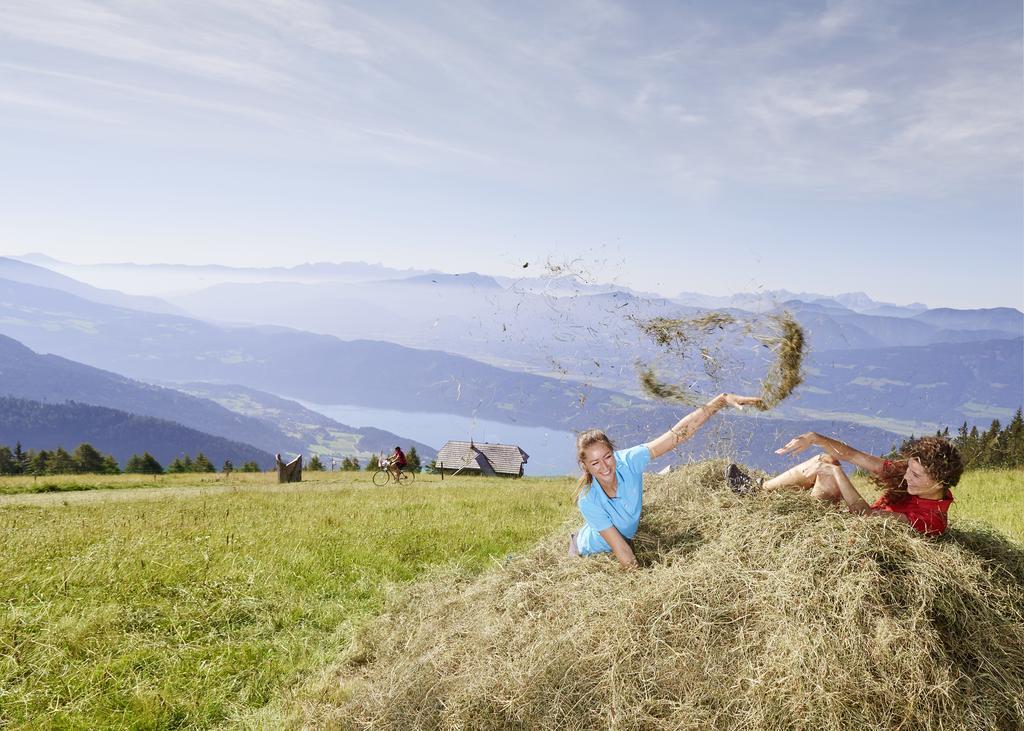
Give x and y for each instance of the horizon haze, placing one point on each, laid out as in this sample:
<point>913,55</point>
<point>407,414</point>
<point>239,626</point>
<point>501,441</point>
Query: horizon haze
<point>832,147</point>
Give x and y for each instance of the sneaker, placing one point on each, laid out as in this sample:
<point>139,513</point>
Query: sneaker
<point>740,482</point>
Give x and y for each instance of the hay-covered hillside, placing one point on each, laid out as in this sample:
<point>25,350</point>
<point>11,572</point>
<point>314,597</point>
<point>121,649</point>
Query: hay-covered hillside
<point>768,613</point>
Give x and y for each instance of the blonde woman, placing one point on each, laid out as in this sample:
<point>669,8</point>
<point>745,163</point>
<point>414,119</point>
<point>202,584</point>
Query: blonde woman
<point>611,507</point>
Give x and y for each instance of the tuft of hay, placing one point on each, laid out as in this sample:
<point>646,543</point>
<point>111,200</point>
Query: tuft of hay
<point>786,373</point>
<point>664,391</point>
<point>786,340</point>
<point>766,613</point>
<point>678,333</point>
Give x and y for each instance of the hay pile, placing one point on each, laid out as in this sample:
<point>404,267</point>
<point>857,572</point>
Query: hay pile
<point>766,613</point>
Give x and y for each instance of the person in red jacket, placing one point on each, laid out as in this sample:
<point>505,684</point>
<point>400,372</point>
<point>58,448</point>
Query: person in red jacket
<point>916,486</point>
<point>396,462</point>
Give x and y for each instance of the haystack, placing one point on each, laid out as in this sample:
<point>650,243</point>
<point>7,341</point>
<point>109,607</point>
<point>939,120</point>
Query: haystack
<point>774,612</point>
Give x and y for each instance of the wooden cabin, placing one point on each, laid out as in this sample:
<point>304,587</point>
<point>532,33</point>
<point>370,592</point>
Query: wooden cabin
<point>472,458</point>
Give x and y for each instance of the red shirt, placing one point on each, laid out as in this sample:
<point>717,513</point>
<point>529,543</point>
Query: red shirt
<point>926,516</point>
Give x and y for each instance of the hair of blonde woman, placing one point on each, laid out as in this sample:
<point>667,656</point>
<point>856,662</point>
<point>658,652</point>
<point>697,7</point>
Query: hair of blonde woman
<point>584,441</point>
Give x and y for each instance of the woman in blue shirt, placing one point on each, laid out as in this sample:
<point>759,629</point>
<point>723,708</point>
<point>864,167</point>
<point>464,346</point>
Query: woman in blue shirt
<point>612,508</point>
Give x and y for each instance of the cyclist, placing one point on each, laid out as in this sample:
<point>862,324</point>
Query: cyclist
<point>396,462</point>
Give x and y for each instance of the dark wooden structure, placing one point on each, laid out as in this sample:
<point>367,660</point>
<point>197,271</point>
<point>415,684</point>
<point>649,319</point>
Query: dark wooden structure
<point>291,472</point>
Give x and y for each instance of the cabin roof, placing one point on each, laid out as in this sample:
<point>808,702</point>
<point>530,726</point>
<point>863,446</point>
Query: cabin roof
<point>503,459</point>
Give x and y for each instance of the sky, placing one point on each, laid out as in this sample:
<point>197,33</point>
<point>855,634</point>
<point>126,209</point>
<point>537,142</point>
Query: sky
<point>668,146</point>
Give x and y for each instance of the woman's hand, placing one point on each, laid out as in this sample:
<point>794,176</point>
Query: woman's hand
<point>738,402</point>
<point>798,444</point>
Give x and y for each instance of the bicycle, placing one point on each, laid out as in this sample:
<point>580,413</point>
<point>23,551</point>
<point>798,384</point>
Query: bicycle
<point>383,476</point>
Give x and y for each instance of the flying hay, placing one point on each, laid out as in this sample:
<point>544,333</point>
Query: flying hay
<point>785,374</point>
<point>680,336</point>
<point>767,613</point>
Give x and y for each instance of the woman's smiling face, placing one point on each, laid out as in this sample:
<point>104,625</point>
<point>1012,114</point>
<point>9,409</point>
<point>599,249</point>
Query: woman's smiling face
<point>599,461</point>
<point>919,482</point>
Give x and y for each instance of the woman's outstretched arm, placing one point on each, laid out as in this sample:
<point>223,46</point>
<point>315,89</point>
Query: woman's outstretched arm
<point>620,548</point>
<point>834,448</point>
<point>693,421</point>
<point>853,499</point>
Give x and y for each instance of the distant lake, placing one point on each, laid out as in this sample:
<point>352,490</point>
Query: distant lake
<point>551,451</point>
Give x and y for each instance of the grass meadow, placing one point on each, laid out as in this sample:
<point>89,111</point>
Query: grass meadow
<point>197,601</point>
<point>190,604</point>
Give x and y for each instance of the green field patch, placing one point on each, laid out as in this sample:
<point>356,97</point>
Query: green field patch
<point>879,384</point>
<point>983,411</point>
<point>188,607</point>
<point>899,426</point>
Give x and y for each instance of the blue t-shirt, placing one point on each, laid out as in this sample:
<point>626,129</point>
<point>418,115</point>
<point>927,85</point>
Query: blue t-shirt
<point>623,511</point>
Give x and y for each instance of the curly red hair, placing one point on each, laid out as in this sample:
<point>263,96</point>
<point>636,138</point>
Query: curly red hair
<point>939,457</point>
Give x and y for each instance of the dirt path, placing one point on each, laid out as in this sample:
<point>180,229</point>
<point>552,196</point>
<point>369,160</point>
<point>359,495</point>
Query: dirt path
<point>176,492</point>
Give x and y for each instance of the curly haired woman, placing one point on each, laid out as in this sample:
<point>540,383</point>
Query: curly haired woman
<point>916,486</point>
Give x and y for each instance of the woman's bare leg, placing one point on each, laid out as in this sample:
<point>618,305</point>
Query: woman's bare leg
<point>826,487</point>
<point>803,476</point>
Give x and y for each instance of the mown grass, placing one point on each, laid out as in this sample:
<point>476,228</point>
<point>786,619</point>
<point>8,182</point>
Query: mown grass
<point>197,600</point>
<point>992,496</point>
<point>27,484</point>
<point>194,604</point>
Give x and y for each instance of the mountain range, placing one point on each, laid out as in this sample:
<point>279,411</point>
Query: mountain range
<point>37,425</point>
<point>261,420</point>
<point>563,357</point>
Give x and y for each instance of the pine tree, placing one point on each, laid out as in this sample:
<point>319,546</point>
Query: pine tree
<point>412,460</point>
<point>87,459</point>
<point>350,464</point>
<point>145,464</point>
<point>7,463</point>
<point>202,464</point>
<point>992,445</point>
<point>972,454</point>
<point>1015,441</point>
<point>175,467</point>
<point>373,464</point>
<point>61,463</point>
<point>20,460</point>
<point>314,464</point>
<point>110,466</point>
<point>251,466</point>
<point>39,463</point>
<point>150,465</point>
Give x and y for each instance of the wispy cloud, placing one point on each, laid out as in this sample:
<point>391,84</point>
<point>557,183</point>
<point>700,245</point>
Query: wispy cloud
<point>832,95</point>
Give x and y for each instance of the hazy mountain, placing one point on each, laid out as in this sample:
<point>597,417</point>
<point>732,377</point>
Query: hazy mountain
<point>323,369</point>
<point>324,436</point>
<point>161,278</point>
<point>39,425</point>
<point>50,378</point>
<point>1005,319</point>
<point>935,384</point>
<point>585,336</point>
<point>469,316</point>
<point>276,425</point>
<point>769,300</point>
<point>467,279</point>
<point>19,271</point>
<point>833,328</point>
<point>309,367</point>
